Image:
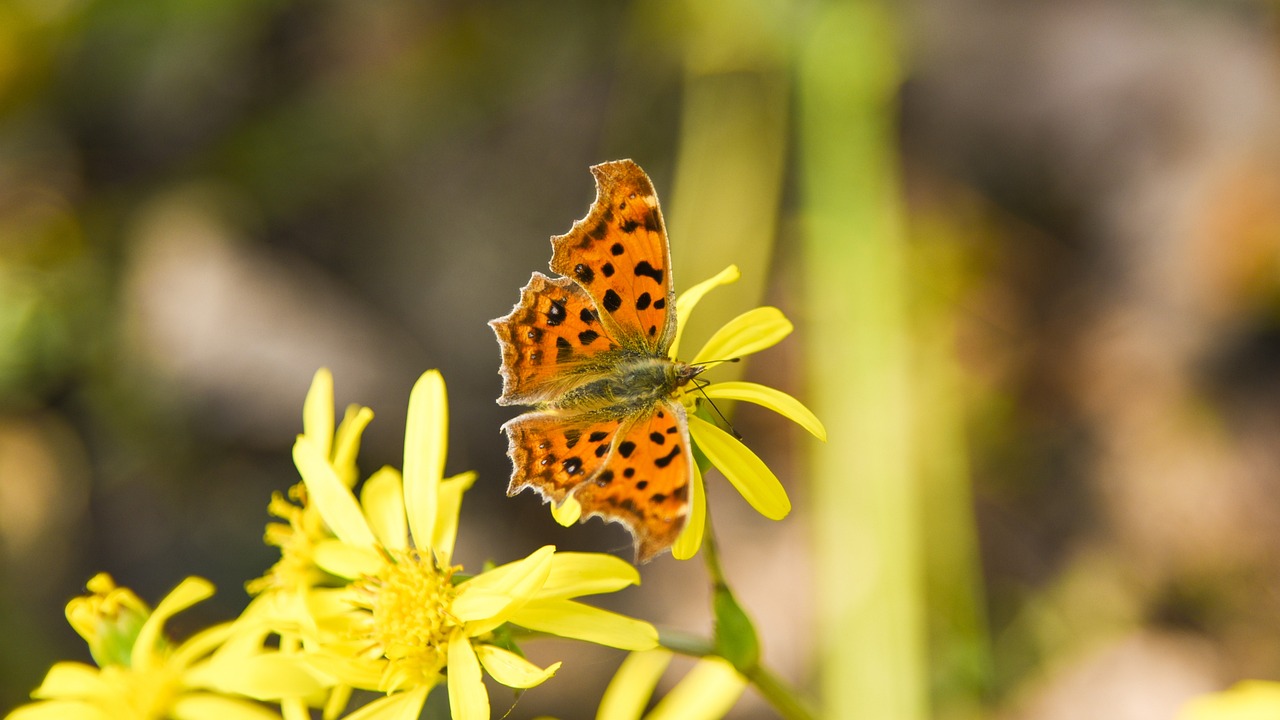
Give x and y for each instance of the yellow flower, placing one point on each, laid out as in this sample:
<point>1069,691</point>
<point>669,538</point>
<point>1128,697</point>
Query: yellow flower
<point>296,570</point>
<point>408,613</point>
<point>708,692</point>
<point>1247,700</point>
<point>141,675</point>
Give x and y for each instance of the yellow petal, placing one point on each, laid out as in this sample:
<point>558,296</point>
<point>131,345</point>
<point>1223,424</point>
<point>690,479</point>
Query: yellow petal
<point>145,649</point>
<point>59,710</point>
<point>741,467</point>
<point>346,561</point>
<point>447,511</point>
<point>205,706</point>
<point>568,512</point>
<point>690,538</point>
<point>570,619</point>
<point>270,676</point>
<point>706,693</point>
<point>346,443</point>
<point>400,706</point>
<point>512,670</point>
<point>425,438</point>
<point>317,412</point>
<point>775,400</point>
<point>750,332</point>
<point>487,600</point>
<point>70,680</point>
<point>1247,700</point>
<point>468,700</point>
<point>382,498</point>
<point>689,299</point>
<point>574,574</point>
<point>333,500</point>
<point>632,686</point>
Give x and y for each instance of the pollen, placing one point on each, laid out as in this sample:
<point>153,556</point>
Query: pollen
<point>409,600</point>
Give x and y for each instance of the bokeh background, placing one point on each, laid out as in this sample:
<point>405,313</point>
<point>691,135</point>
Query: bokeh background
<point>1032,251</point>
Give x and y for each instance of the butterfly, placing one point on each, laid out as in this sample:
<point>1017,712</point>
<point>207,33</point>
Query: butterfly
<point>589,351</point>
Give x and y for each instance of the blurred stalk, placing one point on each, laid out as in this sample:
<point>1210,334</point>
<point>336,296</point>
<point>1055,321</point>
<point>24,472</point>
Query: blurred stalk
<point>870,589</point>
<point>733,137</point>
<point>960,651</point>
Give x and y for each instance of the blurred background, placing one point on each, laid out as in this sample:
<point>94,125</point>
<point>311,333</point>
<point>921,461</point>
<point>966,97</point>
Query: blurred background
<point>1032,251</point>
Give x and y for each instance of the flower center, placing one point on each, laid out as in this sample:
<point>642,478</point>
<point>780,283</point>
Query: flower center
<point>411,597</point>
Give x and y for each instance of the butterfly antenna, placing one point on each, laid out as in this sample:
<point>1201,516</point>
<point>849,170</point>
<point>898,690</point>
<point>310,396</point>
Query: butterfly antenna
<point>698,385</point>
<point>705,363</point>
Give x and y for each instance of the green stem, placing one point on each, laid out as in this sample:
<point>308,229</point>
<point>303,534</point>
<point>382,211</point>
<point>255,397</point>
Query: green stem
<point>780,695</point>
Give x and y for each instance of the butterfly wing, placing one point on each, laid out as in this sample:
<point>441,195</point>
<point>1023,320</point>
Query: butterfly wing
<point>549,340</point>
<point>620,255</point>
<point>633,470</point>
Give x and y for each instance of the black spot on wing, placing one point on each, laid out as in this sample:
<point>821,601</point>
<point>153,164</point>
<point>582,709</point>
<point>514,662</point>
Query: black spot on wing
<point>607,269</point>
<point>599,230</point>
<point>642,484</point>
<point>651,222</point>
<point>556,313</point>
<point>617,249</point>
<point>659,497</point>
<point>563,350</point>
<point>586,337</point>
<point>659,303</point>
<point>571,437</point>
<point>584,273</point>
<point>629,226</point>
<point>625,448</point>
<point>656,437</point>
<point>597,436</point>
<point>534,334</point>
<point>611,301</point>
<point>643,268</point>
<point>587,316</point>
<point>628,473</point>
<point>643,301</point>
<point>604,478</point>
<point>665,460</point>
<point>572,466</point>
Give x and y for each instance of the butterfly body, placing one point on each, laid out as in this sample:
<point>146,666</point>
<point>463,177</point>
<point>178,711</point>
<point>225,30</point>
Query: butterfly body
<point>589,351</point>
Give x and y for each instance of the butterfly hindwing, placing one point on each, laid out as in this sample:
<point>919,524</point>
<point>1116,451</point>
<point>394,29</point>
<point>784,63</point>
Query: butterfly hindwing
<point>620,255</point>
<point>554,452</point>
<point>645,482</point>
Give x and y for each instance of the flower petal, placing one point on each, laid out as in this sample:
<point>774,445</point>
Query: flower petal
<point>574,574</point>
<point>270,676</point>
<point>750,332</point>
<point>690,538</point>
<point>632,686</point>
<point>570,619</point>
<point>382,498</point>
<point>487,600</point>
<point>568,512</point>
<point>468,700</point>
<point>59,710</point>
<point>689,299</point>
<point>333,500</point>
<point>317,412</point>
<point>346,561</point>
<point>512,670</point>
<point>447,510</point>
<point>741,467</point>
<point>775,400</point>
<point>146,653</point>
<point>346,443</point>
<point>400,706</point>
<point>706,693</point>
<point>426,436</point>
<point>1246,700</point>
<point>70,680</point>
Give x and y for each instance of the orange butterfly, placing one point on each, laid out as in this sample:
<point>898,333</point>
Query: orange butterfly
<point>589,352</point>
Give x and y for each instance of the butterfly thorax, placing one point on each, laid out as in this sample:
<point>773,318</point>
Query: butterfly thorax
<point>633,380</point>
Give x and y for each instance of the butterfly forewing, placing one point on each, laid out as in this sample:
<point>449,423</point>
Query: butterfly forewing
<point>619,254</point>
<point>548,341</point>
